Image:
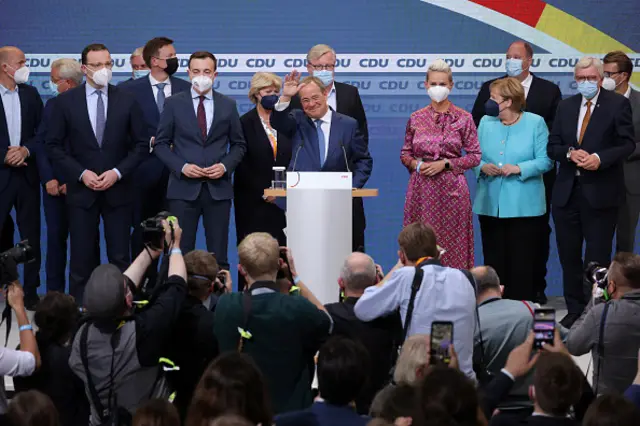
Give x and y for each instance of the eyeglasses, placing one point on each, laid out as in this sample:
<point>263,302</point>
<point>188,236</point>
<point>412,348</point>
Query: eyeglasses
<point>590,79</point>
<point>100,65</point>
<point>323,67</point>
<point>313,99</point>
<point>611,74</point>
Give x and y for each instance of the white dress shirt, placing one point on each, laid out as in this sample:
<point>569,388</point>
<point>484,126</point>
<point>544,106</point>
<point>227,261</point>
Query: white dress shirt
<point>166,89</point>
<point>208,106</point>
<point>628,92</point>
<point>583,111</point>
<point>526,84</point>
<point>14,363</point>
<point>326,124</point>
<point>331,99</point>
<point>12,113</point>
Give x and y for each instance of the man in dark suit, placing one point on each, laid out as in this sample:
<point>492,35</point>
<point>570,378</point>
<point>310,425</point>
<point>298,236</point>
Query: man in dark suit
<point>66,74</point>
<point>591,137</point>
<point>105,137</point>
<point>542,98</point>
<point>617,71</point>
<point>200,140</point>
<point>345,99</point>
<point>333,140</point>
<point>151,177</point>
<point>20,114</point>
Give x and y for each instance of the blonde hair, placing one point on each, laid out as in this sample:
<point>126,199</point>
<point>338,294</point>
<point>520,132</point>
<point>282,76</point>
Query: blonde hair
<point>69,69</point>
<point>589,61</point>
<point>262,80</point>
<point>510,88</point>
<point>137,52</point>
<point>318,50</point>
<point>413,356</point>
<point>440,65</point>
<point>259,254</point>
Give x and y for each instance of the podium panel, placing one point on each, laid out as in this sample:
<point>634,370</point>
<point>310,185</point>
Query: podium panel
<point>319,228</point>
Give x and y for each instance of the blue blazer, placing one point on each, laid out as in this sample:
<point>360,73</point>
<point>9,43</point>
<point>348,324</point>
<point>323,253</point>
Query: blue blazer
<point>179,142</point>
<point>31,114</point>
<point>523,144</point>
<point>322,414</point>
<point>150,171</point>
<point>345,140</point>
<point>73,148</point>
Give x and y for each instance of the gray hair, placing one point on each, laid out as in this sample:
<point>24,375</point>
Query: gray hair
<point>589,61</point>
<point>413,357</point>
<point>318,50</point>
<point>69,69</point>
<point>358,272</point>
<point>137,52</point>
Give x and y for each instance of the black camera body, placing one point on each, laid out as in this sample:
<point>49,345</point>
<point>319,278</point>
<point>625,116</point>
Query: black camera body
<point>599,275</point>
<point>10,259</point>
<point>153,231</point>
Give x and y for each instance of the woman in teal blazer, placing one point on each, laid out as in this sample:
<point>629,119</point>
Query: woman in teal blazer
<point>510,197</point>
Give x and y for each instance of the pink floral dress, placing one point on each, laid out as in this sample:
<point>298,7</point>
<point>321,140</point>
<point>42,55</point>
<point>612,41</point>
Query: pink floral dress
<point>443,200</point>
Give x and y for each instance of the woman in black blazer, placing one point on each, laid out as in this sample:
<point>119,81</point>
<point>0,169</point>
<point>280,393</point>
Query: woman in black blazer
<point>265,149</point>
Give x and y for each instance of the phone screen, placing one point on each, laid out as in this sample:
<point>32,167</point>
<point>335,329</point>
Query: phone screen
<point>544,325</point>
<point>441,339</point>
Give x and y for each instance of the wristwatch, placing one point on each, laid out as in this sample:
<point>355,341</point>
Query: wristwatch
<point>447,165</point>
<point>569,153</point>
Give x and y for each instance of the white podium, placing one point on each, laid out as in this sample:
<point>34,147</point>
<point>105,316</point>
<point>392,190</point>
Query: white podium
<point>319,226</point>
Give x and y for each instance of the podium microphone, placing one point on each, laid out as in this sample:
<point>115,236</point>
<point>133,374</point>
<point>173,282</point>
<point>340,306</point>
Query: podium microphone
<point>295,158</point>
<point>344,152</point>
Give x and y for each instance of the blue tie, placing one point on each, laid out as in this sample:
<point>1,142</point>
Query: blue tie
<point>160,97</point>
<point>321,142</point>
<point>100,118</point>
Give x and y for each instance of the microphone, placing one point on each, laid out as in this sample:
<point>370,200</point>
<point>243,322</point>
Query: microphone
<point>295,158</point>
<point>344,152</point>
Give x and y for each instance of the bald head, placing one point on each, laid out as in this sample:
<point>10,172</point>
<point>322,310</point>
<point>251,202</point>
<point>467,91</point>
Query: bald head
<point>520,48</point>
<point>9,52</point>
<point>358,272</point>
<point>486,279</point>
<point>11,59</point>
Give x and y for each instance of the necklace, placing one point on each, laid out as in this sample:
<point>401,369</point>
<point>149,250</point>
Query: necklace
<point>514,121</point>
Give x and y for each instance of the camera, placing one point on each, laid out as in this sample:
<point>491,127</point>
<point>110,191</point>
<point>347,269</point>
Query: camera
<point>153,231</point>
<point>599,275</point>
<point>10,259</point>
<point>220,288</point>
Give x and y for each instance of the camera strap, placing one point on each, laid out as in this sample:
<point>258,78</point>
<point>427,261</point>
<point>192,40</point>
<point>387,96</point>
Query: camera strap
<point>415,286</point>
<point>6,316</point>
<point>600,346</point>
<point>246,308</point>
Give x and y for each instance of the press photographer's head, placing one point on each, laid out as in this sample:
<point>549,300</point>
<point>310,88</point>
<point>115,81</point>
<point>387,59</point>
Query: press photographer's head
<point>417,241</point>
<point>487,283</point>
<point>204,275</point>
<point>357,274</point>
<point>108,295</point>
<point>259,257</point>
<point>624,275</point>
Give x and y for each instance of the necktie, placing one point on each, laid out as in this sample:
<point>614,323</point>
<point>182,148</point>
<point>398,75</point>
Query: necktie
<point>321,142</point>
<point>202,118</point>
<point>100,118</point>
<point>160,96</point>
<point>585,122</point>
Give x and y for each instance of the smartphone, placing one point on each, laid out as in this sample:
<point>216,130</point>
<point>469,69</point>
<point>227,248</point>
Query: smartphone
<point>544,326</point>
<point>441,340</point>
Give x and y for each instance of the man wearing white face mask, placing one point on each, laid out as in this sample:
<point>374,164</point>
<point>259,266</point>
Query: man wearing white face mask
<point>200,140</point>
<point>542,98</point>
<point>97,138</point>
<point>20,114</point>
<point>344,99</point>
<point>617,73</point>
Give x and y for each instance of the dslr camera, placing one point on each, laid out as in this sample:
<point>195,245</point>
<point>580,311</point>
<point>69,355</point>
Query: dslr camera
<point>153,231</point>
<point>10,259</point>
<point>599,275</point>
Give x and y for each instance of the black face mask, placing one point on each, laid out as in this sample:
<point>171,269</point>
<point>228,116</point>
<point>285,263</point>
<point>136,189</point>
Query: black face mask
<point>172,66</point>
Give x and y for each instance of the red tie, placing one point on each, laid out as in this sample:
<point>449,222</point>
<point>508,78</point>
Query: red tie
<point>202,118</point>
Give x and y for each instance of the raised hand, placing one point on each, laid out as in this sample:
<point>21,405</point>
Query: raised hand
<point>291,84</point>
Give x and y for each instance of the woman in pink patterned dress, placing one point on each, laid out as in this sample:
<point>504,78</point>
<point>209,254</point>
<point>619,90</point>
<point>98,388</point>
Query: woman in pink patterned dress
<point>433,153</point>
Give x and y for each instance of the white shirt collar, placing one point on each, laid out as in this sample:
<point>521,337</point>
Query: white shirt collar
<point>327,117</point>
<point>208,95</point>
<point>154,81</point>
<point>628,92</point>
<point>594,100</point>
<point>5,90</point>
<point>90,90</point>
<point>527,81</point>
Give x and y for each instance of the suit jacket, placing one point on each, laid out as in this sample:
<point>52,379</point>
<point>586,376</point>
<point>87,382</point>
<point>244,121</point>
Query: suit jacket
<point>255,173</point>
<point>224,144</point>
<point>632,165</point>
<point>534,421</point>
<point>45,168</point>
<point>322,414</point>
<point>150,171</point>
<point>543,99</point>
<point>124,144</point>
<point>348,102</point>
<point>345,140</point>
<point>609,134</point>
<point>31,113</point>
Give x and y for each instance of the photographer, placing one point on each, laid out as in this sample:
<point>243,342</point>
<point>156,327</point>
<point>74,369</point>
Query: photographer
<point>280,332</point>
<point>609,327</point>
<point>25,361</point>
<point>193,345</point>
<point>116,351</point>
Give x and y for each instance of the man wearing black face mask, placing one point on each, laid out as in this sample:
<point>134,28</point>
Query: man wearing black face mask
<point>609,329</point>
<point>150,179</point>
<point>266,148</point>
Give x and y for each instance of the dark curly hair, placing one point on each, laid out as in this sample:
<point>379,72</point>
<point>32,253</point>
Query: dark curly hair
<point>56,317</point>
